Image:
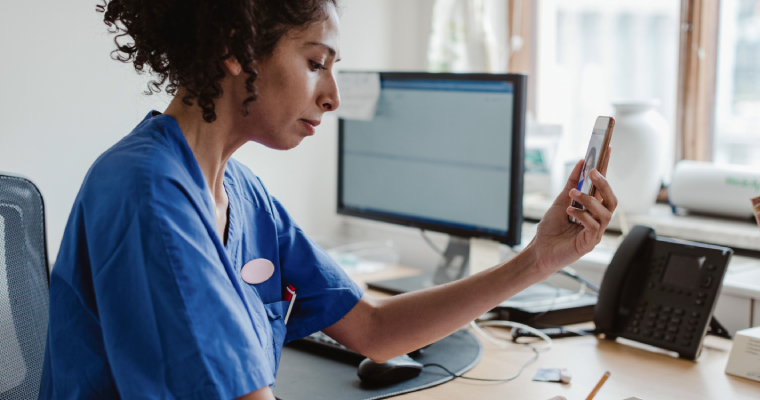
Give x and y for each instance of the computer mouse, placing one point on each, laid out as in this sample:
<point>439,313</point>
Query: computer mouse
<point>395,370</point>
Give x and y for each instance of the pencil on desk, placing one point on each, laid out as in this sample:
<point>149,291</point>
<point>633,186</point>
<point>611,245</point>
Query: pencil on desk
<point>598,385</point>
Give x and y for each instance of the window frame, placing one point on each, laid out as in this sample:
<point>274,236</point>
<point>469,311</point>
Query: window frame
<point>697,77</point>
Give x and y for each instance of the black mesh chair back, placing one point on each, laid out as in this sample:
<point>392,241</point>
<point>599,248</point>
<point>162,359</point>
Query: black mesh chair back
<point>24,288</point>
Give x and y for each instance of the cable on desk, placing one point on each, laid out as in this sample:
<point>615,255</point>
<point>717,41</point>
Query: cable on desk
<point>506,344</point>
<point>525,364</point>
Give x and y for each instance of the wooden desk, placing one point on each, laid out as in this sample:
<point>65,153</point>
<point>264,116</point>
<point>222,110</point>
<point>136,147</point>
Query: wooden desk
<point>637,370</point>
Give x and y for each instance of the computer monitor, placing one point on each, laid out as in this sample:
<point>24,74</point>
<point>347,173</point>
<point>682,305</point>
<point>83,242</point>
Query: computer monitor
<point>444,153</point>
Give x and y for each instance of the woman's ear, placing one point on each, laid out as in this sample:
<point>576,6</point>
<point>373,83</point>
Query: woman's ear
<point>233,66</point>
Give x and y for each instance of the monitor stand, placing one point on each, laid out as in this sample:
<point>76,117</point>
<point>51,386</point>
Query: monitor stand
<point>455,265</point>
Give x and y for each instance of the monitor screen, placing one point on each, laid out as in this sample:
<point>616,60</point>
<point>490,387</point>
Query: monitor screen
<point>439,154</point>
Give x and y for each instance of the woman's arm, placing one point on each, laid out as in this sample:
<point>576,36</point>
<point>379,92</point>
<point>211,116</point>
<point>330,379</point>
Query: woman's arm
<point>384,328</point>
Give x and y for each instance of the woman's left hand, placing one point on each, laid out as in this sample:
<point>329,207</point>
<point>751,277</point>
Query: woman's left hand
<point>558,241</point>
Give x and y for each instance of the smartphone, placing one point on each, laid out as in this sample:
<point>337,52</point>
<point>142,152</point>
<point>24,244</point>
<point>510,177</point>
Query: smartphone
<point>595,156</point>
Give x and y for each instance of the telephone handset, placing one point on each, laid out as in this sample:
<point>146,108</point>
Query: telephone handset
<point>661,291</point>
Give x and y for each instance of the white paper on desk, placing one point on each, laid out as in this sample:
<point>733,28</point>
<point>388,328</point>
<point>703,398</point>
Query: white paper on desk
<point>359,92</point>
<point>484,254</point>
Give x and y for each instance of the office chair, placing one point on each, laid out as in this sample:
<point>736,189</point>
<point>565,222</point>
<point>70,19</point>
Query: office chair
<point>24,288</point>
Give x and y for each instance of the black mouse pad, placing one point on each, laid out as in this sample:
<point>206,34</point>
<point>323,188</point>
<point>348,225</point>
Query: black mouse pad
<point>307,376</point>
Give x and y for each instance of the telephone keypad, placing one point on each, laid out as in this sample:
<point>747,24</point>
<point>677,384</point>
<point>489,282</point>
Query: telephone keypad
<point>663,322</point>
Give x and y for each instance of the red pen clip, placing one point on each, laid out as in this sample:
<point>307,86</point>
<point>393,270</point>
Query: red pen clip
<point>290,291</point>
<point>290,295</point>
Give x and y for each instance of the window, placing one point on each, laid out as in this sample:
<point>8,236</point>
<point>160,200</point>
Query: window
<point>699,58</point>
<point>591,53</point>
<point>736,135</point>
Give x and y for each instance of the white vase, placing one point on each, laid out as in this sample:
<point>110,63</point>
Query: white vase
<point>634,169</point>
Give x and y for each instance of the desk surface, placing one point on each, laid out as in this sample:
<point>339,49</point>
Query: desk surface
<point>637,370</point>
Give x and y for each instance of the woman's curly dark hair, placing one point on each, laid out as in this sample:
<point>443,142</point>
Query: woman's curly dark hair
<point>184,42</point>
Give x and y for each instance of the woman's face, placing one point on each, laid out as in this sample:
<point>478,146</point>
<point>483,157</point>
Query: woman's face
<point>296,85</point>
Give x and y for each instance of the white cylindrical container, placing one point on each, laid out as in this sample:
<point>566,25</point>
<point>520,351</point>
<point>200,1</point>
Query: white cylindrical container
<point>714,189</point>
<point>634,170</point>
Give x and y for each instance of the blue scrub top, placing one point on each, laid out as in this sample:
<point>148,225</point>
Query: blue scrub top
<point>147,302</point>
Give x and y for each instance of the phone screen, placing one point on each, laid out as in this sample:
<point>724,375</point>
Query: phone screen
<point>593,158</point>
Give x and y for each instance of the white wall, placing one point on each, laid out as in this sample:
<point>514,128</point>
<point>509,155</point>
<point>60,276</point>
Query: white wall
<point>63,102</point>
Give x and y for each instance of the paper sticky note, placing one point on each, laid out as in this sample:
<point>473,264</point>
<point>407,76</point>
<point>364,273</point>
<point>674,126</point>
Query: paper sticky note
<point>359,92</point>
<point>484,254</point>
<point>547,375</point>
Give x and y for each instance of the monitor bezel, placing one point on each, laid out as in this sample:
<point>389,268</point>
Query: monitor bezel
<point>514,230</point>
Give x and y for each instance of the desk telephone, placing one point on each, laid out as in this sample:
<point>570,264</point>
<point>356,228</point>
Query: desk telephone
<point>661,291</point>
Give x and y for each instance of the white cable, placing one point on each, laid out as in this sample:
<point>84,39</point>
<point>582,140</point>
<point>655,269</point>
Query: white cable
<point>491,339</point>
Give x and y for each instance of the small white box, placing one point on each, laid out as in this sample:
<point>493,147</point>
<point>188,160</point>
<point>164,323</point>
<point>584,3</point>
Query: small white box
<point>744,360</point>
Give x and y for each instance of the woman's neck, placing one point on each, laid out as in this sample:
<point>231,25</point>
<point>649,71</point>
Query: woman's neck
<point>212,144</point>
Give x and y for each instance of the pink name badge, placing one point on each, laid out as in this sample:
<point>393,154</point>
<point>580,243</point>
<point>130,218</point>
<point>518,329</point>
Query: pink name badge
<point>257,271</point>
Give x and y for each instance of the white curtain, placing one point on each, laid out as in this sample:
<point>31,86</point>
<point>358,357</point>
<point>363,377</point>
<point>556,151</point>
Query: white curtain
<point>469,36</point>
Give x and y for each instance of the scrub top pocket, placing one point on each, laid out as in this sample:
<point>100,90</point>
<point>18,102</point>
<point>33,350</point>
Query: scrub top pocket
<point>276,314</point>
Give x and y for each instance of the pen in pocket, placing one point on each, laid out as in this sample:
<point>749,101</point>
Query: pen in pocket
<point>290,296</point>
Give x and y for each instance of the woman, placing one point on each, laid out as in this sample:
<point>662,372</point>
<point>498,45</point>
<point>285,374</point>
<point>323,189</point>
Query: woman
<point>147,298</point>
